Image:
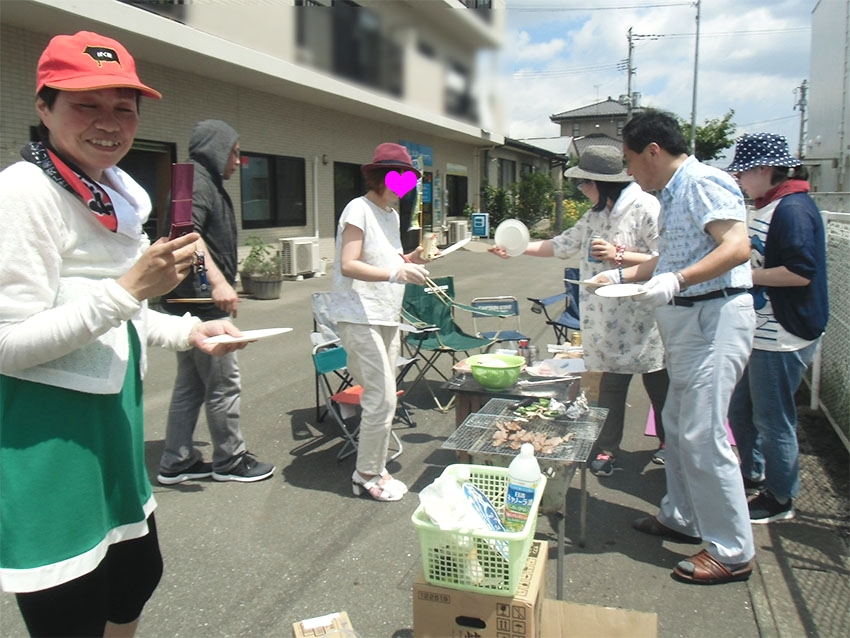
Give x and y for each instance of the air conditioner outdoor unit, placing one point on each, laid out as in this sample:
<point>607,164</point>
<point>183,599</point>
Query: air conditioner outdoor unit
<point>458,230</point>
<point>300,256</point>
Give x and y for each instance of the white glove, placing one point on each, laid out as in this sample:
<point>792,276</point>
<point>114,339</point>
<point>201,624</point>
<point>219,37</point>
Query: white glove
<point>612,275</point>
<point>660,289</point>
<point>408,273</point>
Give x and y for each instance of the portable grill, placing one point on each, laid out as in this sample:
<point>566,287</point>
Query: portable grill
<point>474,438</point>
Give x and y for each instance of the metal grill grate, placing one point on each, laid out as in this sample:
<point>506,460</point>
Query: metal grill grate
<point>475,434</point>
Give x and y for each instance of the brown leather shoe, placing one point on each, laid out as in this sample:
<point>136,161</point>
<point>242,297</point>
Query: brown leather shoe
<point>707,570</point>
<point>650,525</point>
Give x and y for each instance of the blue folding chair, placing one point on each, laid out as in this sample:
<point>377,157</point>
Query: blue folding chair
<point>568,319</point>
<point>499,310</point>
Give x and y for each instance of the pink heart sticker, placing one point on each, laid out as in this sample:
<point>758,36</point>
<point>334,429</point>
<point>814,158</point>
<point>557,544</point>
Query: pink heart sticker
<point>400,184</point>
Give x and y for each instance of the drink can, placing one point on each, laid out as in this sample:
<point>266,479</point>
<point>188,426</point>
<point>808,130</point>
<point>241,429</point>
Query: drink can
<point>590,256</point>
<point>575,338</point>
<point>530,355</point>
<point>429,246</point>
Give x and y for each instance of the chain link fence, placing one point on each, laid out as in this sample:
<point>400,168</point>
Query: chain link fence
<point>829,378</point>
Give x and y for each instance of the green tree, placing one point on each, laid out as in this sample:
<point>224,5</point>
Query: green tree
<point>713,137</point>
<point>497,204</point>
<point>534,197</point>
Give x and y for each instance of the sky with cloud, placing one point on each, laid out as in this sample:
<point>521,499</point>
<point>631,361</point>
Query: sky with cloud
<point>560,55</point>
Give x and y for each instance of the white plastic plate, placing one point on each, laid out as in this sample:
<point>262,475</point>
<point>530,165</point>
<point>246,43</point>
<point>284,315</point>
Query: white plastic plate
<point>512,235</point>
<point>620,290</point>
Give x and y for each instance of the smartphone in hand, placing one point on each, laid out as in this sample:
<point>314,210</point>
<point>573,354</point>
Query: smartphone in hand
<point>182,177</point>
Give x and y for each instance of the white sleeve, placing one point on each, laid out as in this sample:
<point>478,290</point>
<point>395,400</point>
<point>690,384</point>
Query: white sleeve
<point>55,332</point>
<point>169,331</point>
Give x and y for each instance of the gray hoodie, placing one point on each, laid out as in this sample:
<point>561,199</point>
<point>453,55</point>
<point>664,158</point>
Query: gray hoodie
<point>210,146</point>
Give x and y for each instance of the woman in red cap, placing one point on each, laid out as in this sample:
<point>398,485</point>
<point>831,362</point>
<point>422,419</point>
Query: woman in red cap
<point>369,276</point>
<point>78,542</point>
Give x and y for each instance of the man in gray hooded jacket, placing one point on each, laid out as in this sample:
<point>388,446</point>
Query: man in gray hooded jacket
<point>203,379</point>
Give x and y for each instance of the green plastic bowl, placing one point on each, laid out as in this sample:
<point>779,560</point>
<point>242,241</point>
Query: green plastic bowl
<point>496,371</point>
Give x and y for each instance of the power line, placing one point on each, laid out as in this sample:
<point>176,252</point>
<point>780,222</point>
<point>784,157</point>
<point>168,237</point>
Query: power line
<point>553,9</point>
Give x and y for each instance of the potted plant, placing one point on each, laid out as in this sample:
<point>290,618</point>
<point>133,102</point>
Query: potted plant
<point>259,252</point>
<point>267,275</point>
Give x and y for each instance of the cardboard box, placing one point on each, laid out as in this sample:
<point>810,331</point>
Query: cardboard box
<point>440,612</point>
<point>571,620</point>
<point>335,625</point>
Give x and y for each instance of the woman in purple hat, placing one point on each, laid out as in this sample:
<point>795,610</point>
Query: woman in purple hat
<point>788,259</point>
<point>369,276</point>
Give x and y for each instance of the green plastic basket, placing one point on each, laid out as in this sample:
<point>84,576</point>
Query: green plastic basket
<point>478,560</point>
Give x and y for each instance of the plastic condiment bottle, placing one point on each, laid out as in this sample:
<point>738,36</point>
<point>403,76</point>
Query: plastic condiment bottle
<point>523,478</point>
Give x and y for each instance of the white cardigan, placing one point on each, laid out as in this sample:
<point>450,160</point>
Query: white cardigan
<point>62,313</point>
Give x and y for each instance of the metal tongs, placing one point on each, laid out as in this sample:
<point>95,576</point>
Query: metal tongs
<point>526,383</point>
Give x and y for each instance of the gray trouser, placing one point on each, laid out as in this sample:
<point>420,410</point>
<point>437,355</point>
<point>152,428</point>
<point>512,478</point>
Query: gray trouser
<point>707,348</point>
<point>214,382</point>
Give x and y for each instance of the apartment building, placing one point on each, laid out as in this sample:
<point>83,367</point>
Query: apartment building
<point>827,145</point>
<point>312,86</point>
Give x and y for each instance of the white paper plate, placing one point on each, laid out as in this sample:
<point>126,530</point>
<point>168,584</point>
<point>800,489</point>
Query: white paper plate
<point>620,290</point>
<point>454,247</point>
<point>585,282</point>
<point>512,235</point>
<point>477,246</point>
<point>247,335</point>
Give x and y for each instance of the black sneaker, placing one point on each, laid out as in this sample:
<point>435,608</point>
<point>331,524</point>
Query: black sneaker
<point>660,455</point>
<point>753,487</point>
<point>602,465</point>
<point>764,508</point>
<point>247,470</point>
<point>198,470</point>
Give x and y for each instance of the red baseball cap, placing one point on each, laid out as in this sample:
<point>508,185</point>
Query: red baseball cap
<point>87,61</point>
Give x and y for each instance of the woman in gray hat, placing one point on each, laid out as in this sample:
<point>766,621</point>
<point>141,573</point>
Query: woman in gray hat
<point>620,229</point>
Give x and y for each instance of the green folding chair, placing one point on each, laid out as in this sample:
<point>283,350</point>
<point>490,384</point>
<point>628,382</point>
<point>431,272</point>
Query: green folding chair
<point>430,309</point>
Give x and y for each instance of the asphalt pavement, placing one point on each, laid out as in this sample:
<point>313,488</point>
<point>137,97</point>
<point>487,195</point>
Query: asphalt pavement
<point>251,559</point>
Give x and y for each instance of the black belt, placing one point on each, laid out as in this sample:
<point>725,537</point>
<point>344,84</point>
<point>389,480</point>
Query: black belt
<point>716,294</point>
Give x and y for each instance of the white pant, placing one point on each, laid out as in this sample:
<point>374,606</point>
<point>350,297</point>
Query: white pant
<point>372,352</point>
<point>707,347</point>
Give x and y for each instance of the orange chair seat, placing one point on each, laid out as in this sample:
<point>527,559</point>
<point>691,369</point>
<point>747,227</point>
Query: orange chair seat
<point>351,395</point>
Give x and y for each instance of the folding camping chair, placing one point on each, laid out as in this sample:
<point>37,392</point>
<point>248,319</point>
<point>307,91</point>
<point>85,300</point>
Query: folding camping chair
<point>569,319</point>
<point>341,395</point>
<point>324,334</point>
<point>430,309</point>
<point>508,309</point>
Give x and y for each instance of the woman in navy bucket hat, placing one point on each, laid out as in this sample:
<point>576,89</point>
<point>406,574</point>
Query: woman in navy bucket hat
<point>788,259</point>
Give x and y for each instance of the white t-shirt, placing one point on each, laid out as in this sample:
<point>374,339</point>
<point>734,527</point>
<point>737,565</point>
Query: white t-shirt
<point>369,302</point>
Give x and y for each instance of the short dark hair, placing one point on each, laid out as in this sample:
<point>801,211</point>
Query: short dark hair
<point>656,126</point>
<point>783,173</point>
<point>608,190</point>
<point>376,179</point>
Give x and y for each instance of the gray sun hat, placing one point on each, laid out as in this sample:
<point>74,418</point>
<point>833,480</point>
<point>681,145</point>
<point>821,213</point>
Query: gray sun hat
<point>600,163</point>
<point>762,149</point>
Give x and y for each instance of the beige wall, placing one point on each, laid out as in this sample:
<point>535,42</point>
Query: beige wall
<point>266,123</point>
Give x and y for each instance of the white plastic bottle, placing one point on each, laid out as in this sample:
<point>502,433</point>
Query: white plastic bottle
<point>523,478</point>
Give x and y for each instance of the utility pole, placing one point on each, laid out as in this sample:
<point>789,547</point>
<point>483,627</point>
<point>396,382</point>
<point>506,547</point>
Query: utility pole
<point>694,99</point>
<point>802,104</point>
<point>629,73</point>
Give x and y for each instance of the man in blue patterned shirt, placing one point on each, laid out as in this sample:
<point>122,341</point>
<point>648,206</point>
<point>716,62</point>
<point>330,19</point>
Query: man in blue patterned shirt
<point>706,323</point>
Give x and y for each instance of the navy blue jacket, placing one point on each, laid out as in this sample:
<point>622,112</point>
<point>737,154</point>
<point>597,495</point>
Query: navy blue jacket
<point>796,240</point>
